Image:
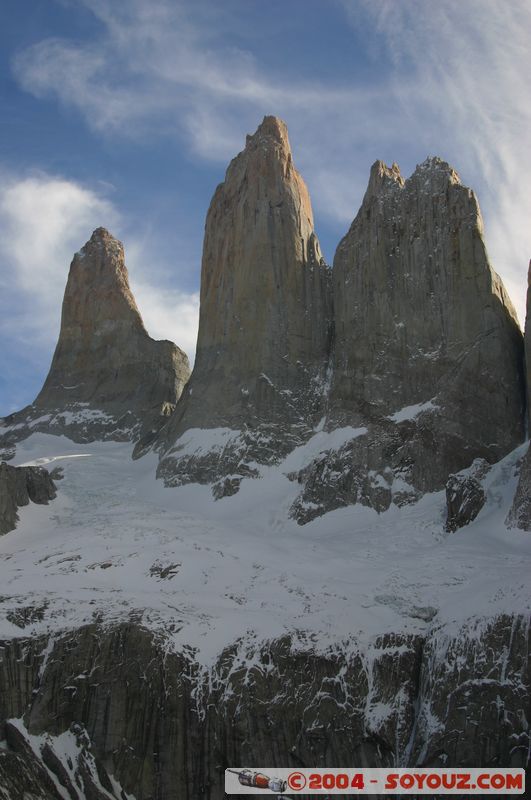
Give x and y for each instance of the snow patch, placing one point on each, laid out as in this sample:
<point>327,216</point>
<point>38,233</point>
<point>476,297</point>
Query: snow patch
<point>412,412</point>
<point>201,441</point>
<point>321,442</point>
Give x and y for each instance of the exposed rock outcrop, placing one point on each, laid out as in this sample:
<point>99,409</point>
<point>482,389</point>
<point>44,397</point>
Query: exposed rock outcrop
<point>465,497</point>
<point>265,316</point>
<point>155,724</point>
<point>19,486</point>
<point>428,351</point>
<point>520,513</point>
<point>108,378</point>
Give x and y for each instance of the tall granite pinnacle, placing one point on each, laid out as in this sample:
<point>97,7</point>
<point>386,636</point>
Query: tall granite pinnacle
<point>428,350</point>
<point>419,311</point>
<point>264,329</point>
<point>108,378</point>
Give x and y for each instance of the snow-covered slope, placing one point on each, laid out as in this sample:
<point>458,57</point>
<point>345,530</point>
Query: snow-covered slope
<point>165,635</point>
<point>117,545</point>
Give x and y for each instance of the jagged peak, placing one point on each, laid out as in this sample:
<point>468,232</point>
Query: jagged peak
<point>380,170</point>
<point>100,234</point>
<point>271,133</point>
<point>382,177</point>
<point>431,175</point>
<point>101,239</point>
<point>436,165</point>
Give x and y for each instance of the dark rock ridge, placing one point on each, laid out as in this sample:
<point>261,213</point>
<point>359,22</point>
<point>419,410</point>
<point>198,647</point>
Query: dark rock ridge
<point>465,496</point>
<point>108,378</point>
<point>520,514</point>
<point>156,725</point>
<point>19,486</point>
<point>428,351</point>
<point>265,317</point>
<point>528,348</point>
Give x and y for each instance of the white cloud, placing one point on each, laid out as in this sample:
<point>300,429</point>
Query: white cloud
<point>44,219</point>
<point>162,65</point>
<point>169,314</point>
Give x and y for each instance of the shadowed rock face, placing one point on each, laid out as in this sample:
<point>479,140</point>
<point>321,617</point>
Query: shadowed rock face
<point>164,728</point>
<point>420,314</point>
<point>528,347</point>
<point>265,319</point>
<point>428,352</point>
<point>108,378</point>
<point>520,514</point>
<point>19,486</point>
<point>465,497</point>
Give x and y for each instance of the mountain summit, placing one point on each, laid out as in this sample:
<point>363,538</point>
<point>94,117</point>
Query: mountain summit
<point>428,353</point>
<point>265,318</point>
<point>108,377</point>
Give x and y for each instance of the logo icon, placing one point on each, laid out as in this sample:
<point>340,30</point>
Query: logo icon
<point>260,781</point>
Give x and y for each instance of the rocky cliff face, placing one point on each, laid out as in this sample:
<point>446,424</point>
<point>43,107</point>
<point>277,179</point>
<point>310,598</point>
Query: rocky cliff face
<point>419,313</point>
<point>99,711</point>
<point>19,486</point>
<point>265,318</point>
<point>528,347</point>
<point>428,351</point>
<point>108,378</point>
<point>520,514</point>
<point>418,352</point>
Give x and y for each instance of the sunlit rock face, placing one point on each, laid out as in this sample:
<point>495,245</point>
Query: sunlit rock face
<point>265,316</point>
<point>108,377</point>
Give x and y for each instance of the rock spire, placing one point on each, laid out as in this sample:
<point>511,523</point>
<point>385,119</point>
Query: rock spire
<point>265,318</point>
<point>428,350</point>
<point>108,378</point>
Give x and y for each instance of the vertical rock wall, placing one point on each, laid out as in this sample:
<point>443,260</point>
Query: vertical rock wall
<point>520,514</point>
<point>164,728</point>
<point>420,315</point>
<point>265,318</point>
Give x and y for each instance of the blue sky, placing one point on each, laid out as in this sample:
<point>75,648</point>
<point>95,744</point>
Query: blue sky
<point>125,113</point>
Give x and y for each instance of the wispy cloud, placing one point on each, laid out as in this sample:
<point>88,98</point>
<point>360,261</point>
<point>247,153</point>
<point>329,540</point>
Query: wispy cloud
<point>164,66</point>
<point>453,83</point>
